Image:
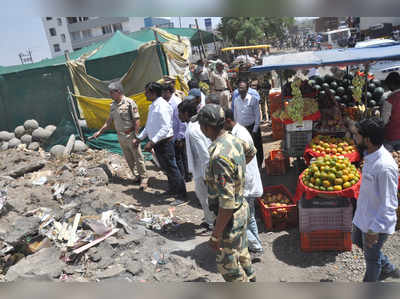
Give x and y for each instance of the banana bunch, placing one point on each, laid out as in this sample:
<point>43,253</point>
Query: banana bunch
<point>358,83</point>
<point>296,105</point>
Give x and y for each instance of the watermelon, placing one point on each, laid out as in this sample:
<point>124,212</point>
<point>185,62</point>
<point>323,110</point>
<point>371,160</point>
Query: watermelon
<point>317,87</point>
<point>378,93</point>
<point>325,86</point>
<point>371,87</point>
<point>334,85</point>
<point>377,82</point>
<point>331,92</point>
<point>340,91</point>
<point>371,103</point>
<point>328,79</point>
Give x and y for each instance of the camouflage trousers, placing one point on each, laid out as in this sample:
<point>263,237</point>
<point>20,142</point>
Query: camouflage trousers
<point>233,260</point>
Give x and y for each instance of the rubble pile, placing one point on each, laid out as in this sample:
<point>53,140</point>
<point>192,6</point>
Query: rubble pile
<point>60,221</point>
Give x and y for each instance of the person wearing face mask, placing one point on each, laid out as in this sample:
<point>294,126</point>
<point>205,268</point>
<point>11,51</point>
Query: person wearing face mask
<point>375,216</point>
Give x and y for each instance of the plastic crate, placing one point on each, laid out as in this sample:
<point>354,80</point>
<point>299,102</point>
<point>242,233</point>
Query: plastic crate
<point>278,223</point>
<point>320,202</point>
<point>339,219</point>
<point>278,129</point>
<point>305,125</point>
<point>325,240</point>
<point>296,142</point>
<point>276,163</point>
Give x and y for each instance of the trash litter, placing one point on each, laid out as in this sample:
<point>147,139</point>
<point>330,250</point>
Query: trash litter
<point>5,248</point>
<point>40,177</point>
<point>160,223</point>
<point>36,246</point>
<point>59,190</point>
<point>95,242</point>
<point>158,258</point>
<point>82,171</point>
<point>3,198</point>
<point>40,181</point>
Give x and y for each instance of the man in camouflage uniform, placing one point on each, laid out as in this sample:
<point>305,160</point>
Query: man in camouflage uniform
<point>225,177</point>
<point>124,114</point>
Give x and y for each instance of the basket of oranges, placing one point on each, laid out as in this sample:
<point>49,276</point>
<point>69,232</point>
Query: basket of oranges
<point>321,146</point>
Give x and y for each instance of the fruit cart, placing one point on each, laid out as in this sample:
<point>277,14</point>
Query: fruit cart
<point>356,96</point>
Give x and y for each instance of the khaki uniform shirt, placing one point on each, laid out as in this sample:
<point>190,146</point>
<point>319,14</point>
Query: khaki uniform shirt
<point>122,118</point>
<point>218,80</point>
<point>225,175</point>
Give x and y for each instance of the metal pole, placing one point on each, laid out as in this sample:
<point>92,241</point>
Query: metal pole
<point>180,22</point>
<point>75,115</point>
<point>201,38</point>
<point>366,71</point>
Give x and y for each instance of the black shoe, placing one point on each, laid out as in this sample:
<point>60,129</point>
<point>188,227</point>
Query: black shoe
<point>253,279</point>
<point>168,193</point>
<point>394,274</point>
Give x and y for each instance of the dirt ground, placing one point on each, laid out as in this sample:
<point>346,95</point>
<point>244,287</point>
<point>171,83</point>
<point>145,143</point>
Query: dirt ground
<point>130,255</point>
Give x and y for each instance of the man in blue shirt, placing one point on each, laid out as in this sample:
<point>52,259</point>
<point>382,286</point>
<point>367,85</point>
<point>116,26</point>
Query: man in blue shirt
<point>375,217</point>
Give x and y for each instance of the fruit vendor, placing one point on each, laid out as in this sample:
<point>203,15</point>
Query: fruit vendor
<point>375,216</point>
<point>391,112</point>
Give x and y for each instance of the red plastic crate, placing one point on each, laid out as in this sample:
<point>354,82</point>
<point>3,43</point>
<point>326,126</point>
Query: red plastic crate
<point>326,240</point>
<point>278,129</point>
<point>276,163</point>
<point>278,223</point>
<point>315,219</point>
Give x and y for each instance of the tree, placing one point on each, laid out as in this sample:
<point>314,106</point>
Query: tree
<point>254,30</point>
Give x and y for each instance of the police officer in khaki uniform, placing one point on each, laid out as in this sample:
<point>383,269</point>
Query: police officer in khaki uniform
<point>225,178</point>
<point>125,116</point>
<point>220,85</point>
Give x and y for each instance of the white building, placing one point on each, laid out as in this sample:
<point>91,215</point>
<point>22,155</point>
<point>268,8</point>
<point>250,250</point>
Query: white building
<point>367,22</point>
<point>73,33</point>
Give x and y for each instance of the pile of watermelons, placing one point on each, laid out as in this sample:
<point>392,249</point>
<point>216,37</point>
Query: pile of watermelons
<point>341,90</point>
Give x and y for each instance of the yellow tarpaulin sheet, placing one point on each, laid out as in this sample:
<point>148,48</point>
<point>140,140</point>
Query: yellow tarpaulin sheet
<point>96,111</point>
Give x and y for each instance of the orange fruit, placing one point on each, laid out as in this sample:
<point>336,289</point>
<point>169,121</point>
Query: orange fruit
<point>346,185</point>
<point>337,188</point>
<point>345,178</point>
<point>326,183</point>
<point>338,181</point>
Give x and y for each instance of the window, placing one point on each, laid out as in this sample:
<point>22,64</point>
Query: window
<point>63,38</point>
<point>52,31</point>
<point>117,27</point>
<point>48,19</point>
<point>72,20</point>
<point>59,21</point>
<point>106,29</point>
<point>75,35</point>
<point>87,34</point>
<point>56,48</point>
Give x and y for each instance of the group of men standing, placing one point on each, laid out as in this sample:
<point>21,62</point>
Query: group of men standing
<point>219,154</point>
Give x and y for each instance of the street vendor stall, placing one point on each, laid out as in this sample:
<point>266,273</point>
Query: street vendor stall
<point>314,112</point>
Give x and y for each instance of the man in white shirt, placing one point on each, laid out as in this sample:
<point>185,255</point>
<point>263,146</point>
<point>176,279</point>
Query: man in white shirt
<point>179,129</point>
<point>198,157</point>
<point>253,185</point>
<point>199,98</point>
<point>247,114</point>
<point>201,72</point>
<point>160,133</point>
<point>375,217</point>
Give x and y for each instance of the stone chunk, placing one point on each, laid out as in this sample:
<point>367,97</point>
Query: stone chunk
<point>45,263</point>
<point>31,125</point>
<point>19,131</point>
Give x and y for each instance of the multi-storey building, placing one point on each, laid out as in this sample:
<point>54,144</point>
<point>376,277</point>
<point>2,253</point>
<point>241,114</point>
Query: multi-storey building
<point>73,33</point>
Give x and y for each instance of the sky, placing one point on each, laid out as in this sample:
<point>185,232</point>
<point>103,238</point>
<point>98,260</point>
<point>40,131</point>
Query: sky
<point>28,32</point>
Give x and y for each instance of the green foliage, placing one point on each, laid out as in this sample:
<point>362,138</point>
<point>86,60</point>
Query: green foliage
<point>254,30</point>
